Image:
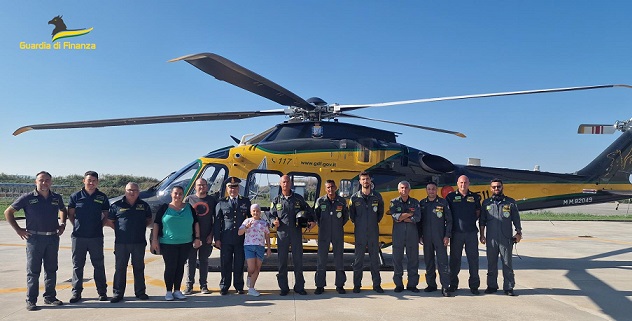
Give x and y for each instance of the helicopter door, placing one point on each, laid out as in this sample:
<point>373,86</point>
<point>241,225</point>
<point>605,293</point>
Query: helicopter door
<point>369,148</point>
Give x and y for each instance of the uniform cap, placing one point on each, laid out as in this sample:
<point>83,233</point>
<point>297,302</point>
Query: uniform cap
<point>232,181</point>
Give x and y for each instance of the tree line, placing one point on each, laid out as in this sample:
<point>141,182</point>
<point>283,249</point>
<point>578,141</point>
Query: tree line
<point>111,185</point>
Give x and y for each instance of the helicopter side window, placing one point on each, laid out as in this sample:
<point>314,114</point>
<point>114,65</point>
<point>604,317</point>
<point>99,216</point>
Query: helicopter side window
<point>262,187</point>
<point>215,175</point>
<point>348,187</point>
<point>306,185</point>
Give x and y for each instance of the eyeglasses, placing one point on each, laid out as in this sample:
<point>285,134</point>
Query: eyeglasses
<point>497,186</point>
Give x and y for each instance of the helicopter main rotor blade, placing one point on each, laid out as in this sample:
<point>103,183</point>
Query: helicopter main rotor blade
<point>152,120</point>
<point>230,72</point>
<point>405,124</point>
<point>508,93</point>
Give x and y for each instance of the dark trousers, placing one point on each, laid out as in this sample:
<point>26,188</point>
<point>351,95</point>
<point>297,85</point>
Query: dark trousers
<point>294,237</point>
<point>174,256</point>
<point>202,254</point>
<point>469,240</point>
<point>361,246</point>
<point>232,260</point>
<point>81,246</point>
<point>435,249</point>
<point>122,253</point>
<point>41,249</point>
<point>323,252</point>
<point>408,240</point>
<point>494,248</point>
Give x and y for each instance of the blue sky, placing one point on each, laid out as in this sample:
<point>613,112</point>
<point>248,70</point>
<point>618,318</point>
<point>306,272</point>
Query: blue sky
<point>346,52</point>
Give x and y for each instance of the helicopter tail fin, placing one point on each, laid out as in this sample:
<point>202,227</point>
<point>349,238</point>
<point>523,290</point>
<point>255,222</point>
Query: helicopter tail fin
<point>614,164</point>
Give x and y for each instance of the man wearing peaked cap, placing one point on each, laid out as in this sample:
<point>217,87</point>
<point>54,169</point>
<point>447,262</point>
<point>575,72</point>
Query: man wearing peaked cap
<point>232,181</point>
<point>231,211</point>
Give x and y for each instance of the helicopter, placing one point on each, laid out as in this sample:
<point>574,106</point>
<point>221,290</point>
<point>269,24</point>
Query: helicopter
<point>313,146</point>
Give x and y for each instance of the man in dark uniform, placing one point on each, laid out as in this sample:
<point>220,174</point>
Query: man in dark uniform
<point>231,211</point>
<point>466,209</point>
<point>87,211</point>
<point>41,209</point>
<point>435,231</point>
<point>331,214</point>
<point>499,212</point>
<point>204,206</point>
<point>366,210</point>
<point>129,217</point>
<point>405,213</point>
<point>283,215</point>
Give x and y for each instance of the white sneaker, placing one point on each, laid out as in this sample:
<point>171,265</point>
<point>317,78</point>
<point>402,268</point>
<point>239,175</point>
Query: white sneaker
<point>169,296</point>
<point>248,282</point>
<point>178,295</point>
<point>253,292</point>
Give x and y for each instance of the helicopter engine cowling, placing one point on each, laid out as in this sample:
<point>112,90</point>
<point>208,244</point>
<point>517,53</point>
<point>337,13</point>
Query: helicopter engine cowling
<point>435,164</point>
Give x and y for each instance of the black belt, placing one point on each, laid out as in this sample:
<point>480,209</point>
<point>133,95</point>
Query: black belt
<point>42,233</point>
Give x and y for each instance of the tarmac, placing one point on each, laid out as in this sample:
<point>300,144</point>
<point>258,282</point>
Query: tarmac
<point>564,271</point>
<point>604,209</point>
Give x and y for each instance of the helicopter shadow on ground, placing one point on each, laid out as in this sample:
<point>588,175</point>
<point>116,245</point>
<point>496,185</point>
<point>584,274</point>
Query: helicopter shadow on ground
<point>611,301</point>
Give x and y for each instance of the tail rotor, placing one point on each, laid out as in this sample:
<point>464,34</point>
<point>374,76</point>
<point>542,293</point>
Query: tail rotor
<point>598,129</point>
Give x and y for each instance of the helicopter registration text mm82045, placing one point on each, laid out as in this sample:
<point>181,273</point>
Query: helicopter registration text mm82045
<point>313,146</point>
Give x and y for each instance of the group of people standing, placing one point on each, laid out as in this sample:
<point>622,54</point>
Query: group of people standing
<point>88,210</point>
<point>185,230</point>
<point>453,221</point>
<point>433,222</point>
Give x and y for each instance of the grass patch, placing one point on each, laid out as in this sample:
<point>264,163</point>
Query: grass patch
<point>550,216</point>
<point>3,206</point>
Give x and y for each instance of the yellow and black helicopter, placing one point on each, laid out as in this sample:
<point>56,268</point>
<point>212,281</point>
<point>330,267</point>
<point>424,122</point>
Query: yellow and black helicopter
<point>313,146</point>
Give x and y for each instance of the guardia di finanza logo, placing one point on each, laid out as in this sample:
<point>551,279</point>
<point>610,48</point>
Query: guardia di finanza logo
<point>61,31</point>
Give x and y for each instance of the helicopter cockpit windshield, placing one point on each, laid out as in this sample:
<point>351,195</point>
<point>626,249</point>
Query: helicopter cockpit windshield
<point>215,174</point>
<point>181,177</point>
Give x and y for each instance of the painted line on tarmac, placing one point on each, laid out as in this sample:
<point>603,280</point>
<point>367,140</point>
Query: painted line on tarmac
<point>575,238</point>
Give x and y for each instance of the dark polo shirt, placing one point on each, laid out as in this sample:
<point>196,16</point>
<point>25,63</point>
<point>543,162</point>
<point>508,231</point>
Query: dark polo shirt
<point>130,222</point>
<point>88,209</point>
<point>41,213</point>
<point>464,209</point>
